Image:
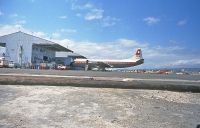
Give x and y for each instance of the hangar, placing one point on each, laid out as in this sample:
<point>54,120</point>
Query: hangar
<point>28,50</point>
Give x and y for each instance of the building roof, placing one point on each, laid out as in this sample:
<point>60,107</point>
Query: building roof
<point>69,54</point>
<point>42,42</point>
<point>54,47</point>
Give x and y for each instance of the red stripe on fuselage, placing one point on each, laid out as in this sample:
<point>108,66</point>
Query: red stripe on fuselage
<point>106,62</point>
<point>80,62</point>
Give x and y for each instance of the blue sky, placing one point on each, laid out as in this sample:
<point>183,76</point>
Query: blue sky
<point>167,31</point>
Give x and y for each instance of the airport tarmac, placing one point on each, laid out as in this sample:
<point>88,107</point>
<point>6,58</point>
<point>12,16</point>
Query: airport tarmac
<point>96,79</point>
<point>99,74</point>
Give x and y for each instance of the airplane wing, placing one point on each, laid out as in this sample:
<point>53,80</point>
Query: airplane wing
<point>100,65</point>
<point>103,65</point>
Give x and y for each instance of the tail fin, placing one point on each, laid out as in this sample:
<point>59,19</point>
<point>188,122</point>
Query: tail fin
<point>138,54</point>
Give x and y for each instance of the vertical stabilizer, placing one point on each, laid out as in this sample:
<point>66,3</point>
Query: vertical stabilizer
<point>138,54</point>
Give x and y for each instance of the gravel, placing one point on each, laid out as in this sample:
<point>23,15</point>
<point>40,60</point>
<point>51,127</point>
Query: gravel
<point>72,107</point>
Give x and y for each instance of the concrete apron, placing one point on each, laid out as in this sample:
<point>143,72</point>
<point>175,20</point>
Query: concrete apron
<point>101,82</point>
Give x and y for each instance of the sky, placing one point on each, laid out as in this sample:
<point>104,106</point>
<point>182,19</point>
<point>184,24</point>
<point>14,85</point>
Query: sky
<point>167,31</point>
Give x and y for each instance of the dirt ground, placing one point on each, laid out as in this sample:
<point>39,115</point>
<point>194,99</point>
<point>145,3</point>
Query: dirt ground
<point>78,107</point>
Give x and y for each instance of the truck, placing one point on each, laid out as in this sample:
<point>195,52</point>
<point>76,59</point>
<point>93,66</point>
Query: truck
<point>4,63</point>
<point>62,67</point>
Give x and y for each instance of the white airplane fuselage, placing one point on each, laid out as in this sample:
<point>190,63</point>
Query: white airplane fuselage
<point>112,63</point>
<point>108,63</point>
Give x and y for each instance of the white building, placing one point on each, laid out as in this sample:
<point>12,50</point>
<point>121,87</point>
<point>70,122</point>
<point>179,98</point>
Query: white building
<point>24,48</point>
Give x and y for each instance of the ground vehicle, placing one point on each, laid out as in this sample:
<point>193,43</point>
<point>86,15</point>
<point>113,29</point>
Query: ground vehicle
<point>62,67</point>
<point>11,64</point>
<point>3,62</point>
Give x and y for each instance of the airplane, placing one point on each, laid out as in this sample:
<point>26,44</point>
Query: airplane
<point>101,64</point>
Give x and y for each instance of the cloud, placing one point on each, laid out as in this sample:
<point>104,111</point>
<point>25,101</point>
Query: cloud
<point>118,49</point>
<point>76,6</point>
<point>109,21</point>
<point>90,12</point>
<point>56,35</point>
<point>88,6</point>
<point>62,17</point>
<point>69,30</point>
<point>14,15</point>
<point>94,14</point>
<point>39,34</point>
<point>1,13</point>
<point>17,19</point>
<point>182,22</point>
<point>20,22</point>
<point>7,29</point>
<point>127,43</point>
<point>92,49</point>
<point>151,20</point>
<point>187,62</point>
